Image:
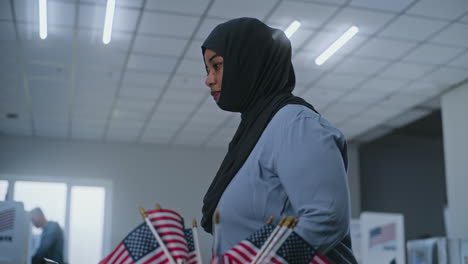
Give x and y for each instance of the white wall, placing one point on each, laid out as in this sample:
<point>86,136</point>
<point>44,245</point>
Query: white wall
<point>455,124</point>
<point>177,178</point>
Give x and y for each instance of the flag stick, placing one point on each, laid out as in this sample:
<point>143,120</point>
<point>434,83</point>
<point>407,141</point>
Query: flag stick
<point>280,241</point>
<point>269,239</point>
<point>216,234</point>
<point>156,235</point>
<point>275,239</point>
<point>196,242</point>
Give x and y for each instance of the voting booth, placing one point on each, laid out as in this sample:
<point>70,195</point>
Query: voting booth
<point>15,233</point>
<point>438,250</point>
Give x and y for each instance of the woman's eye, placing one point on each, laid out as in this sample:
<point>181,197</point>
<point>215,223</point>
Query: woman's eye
<point>217,66</point>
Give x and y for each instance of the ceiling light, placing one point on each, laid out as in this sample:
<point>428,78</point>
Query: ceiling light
<point>106,37</point>
<point>43,19</point>
<point>292,28</point>
<point>349,34</point>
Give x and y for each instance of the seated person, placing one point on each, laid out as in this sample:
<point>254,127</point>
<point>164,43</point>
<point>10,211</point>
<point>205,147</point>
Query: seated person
<point>51,245</point>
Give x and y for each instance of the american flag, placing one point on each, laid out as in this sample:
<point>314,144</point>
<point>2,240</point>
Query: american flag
<point>7,219</point>
<point>140,246</point>
<point>170,227</point>
<point>192,253</point>
<point>295,250</point>
<point>247,249</point>
<point>382,234</point>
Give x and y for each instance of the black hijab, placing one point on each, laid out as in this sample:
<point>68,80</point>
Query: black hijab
<point>258,79</point>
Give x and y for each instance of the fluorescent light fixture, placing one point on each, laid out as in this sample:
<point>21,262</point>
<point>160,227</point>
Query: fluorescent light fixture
<point>292,28</point>
<point>349,34</point>
<point>43,19</point>
<point>106,37</point>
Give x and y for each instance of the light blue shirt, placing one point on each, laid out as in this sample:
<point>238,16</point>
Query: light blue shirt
<point>297,168</point>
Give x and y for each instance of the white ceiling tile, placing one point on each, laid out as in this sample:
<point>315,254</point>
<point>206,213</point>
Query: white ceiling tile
<point>299,38</point>
<point>395,5</point>
<point>412,28</point>
<point>125,115</point>
<point>176,106</point>
<point>145,79</point>
<point>184,96</point>
<point>196,7</point>
<point>316,95</point>
<point>241,8</point>
<point>134,104</point>
<point>465,19</point>
<point>47,70</point>
<point>50,129</point>
<point>367,21</point>
<point>100,59</point>
<point>161,131</point>
<point>121,136</point>
<point>385,49</point>
<point>461,61</point>
<point>96,77</point>
<point>92,16</point>
<point>192,67</point>
<point>88,123</point>
<point>456,34</point>
<point>156,23</point>
<point>205,29</point>
<point>92,39</point>
<point>8,31</point>
<point>87,111</point>
<point>5,10</point>
<point>135,92</point>
<point>89,133</point>
<point>130,3</point>
<point>433,54</point>
<point>26,10</point>
<point>9,52</point>
<point>121,126</point>
<point>360,66</point>
<point>409,71</point>
<point>152,63</point>
<point>309,14</point>
<point>189,82</point>
<point>59,54</point>
<point>305,77</point>
<point>447,76</point>
<point>155,139</point>
<point>159,45</point>
<point>440,9</point>
<point>194,51</point>
<point>363,97</point>
<point>383,86</point>
<point>340,81</point>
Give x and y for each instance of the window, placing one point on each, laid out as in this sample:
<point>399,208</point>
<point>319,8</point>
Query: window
<point>86,224</point>
<point>79,209</point>
<point>3,189</point>
<point>51,197</point>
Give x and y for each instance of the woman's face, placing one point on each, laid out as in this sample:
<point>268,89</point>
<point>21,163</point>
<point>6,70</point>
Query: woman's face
<point>214,70</point>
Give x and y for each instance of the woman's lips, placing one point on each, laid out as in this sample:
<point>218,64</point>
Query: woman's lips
<point>216,95</point>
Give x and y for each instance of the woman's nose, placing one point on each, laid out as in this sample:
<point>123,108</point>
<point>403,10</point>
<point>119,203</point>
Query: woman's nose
<point>210,79</point>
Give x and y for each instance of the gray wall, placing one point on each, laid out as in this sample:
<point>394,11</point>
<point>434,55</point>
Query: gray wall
<point>141,175</point>
<point>455,123</point>
<point>405,174</point>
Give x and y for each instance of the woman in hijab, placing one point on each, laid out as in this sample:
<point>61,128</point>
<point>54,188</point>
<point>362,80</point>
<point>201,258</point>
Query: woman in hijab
<point>285,159</point>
